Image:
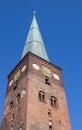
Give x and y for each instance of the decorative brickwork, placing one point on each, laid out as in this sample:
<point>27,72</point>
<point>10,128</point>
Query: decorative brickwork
<point>35,98</point>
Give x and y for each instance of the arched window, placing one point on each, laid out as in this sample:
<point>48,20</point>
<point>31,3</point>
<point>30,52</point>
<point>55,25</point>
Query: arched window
<point>54,101</point>
<point>49,113</point>
<point>41,96</point>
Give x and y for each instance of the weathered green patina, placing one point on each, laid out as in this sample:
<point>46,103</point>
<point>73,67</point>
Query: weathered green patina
<point>34,42</point>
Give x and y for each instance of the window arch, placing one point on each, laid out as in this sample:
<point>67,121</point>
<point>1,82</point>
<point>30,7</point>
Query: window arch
<point>54,101</point>
<point>49,113</point>
<point>41,96</point>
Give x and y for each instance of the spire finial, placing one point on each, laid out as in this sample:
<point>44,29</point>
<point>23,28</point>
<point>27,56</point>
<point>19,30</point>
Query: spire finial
<point>34,12</point>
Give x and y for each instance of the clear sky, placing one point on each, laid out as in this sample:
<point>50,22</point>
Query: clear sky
<point>60,23</point>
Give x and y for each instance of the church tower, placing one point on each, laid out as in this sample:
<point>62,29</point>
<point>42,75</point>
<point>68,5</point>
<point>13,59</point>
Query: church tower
<point>35,98</point>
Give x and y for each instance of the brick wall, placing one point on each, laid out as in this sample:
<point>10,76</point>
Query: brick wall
<point>34,111</point>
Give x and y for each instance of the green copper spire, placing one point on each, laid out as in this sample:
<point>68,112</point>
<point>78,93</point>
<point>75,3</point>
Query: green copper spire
<point>34,42</point>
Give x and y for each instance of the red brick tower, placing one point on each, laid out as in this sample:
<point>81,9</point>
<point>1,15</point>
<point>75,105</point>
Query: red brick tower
<point>35,98</point>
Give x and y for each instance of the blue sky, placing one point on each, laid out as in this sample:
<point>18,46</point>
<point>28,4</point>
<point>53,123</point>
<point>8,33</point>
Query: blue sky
<point>60,24</point>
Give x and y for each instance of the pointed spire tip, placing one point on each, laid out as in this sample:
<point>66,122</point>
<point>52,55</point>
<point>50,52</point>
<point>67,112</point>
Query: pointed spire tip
<point>34,42</point>
<point>34,12</point>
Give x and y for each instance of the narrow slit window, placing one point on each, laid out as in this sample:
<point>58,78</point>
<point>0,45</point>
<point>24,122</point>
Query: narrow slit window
<point>51,102</point>
<point>50,125</point>
<point>11,127</point>
<point>47,80</point>
<point>40,96</point>
<point>43,98</point>
<point>49,113</point>
<point>11,104</point>
<point>13,116</point>
<point>55,102</point>
<point>15,88</point>
<point>18,98</point>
